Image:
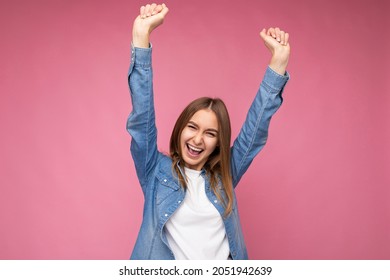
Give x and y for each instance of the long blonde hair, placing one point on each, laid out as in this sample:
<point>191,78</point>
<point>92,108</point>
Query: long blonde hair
<point>218,163</point>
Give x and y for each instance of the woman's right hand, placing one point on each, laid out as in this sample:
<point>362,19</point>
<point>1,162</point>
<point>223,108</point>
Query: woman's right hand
<point>277,41</point>
<point>150,17</point>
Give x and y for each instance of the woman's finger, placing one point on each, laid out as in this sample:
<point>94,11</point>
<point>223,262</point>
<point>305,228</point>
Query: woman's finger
<point>271,32</point>
<point>147,10</point>
<point>277,32</point>
<point>282,35</point>
<point>152,9</point>
<point>286,37</point>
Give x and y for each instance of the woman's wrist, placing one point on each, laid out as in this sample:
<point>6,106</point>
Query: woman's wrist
<point>278,65</point>
<point>279,60</point>
<point>141,39</point>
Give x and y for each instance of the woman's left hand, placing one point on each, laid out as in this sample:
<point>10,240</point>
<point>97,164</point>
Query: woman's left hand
<point>277,41</point>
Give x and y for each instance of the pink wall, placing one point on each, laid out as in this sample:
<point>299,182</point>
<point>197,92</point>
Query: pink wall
<point>319,190</point>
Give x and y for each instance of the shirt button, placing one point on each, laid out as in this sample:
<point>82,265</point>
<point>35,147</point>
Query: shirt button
<point>215,201</point>
<point>179,201</point>
<point>166,215</point>
<point>165,180</point>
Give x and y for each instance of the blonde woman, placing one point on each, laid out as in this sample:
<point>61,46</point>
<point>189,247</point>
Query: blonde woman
<point>190,208</point>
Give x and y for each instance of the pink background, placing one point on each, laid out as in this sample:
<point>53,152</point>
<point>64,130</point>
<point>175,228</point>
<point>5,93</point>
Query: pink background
<point>319,190</point>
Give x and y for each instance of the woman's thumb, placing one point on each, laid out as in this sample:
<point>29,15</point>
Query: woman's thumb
<point>263,34</point>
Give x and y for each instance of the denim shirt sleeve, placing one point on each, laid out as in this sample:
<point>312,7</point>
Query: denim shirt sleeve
<point>141,121</point>
<point>254,132</point>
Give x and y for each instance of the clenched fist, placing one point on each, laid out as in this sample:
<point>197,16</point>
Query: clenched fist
<point>150,17</point>
<point>276,41</point>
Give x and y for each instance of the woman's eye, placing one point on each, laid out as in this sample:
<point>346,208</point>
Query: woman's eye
<point>211,134</point>
<point>191,126</point>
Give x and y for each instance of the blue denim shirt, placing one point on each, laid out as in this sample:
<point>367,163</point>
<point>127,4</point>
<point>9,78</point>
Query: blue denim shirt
<point>162,191</point>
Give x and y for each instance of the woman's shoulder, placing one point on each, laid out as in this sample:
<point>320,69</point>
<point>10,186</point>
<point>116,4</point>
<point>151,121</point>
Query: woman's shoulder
<point>164,164</point>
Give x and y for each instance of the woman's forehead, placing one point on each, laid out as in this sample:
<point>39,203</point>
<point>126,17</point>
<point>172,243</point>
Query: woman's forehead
<point>205,118</point>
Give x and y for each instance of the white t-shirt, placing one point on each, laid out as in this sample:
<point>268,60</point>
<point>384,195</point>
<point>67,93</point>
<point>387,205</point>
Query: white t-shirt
<point>196,230</point>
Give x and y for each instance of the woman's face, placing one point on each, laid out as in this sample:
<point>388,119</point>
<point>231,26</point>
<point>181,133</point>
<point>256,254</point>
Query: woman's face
<point>199,139</point>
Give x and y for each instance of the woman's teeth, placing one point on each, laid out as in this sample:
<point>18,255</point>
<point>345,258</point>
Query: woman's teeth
<point>194,150</point>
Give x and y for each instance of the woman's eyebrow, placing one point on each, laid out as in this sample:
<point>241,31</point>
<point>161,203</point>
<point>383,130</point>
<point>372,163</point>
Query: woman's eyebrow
<point>208,129</point>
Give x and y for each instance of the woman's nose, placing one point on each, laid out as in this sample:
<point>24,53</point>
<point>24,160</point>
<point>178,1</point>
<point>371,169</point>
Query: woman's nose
<point>198,138</point>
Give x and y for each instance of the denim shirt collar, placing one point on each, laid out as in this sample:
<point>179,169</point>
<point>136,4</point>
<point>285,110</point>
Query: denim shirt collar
<point>203,170</point>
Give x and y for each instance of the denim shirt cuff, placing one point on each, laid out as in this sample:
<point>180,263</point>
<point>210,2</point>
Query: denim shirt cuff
<point>141,56</point>
<point>275,81</point>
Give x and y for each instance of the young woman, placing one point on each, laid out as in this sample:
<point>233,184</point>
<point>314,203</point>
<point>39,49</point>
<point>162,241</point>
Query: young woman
<point>190,209</point>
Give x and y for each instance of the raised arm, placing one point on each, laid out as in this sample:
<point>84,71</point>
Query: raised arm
<point>254,132</point>
<point>141,121</point>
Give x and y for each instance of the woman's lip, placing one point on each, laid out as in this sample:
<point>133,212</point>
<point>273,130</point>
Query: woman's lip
<point>190,154</point>
<point>195,148</point>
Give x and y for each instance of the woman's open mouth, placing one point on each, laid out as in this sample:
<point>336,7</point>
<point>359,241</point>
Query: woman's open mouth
<point>193,150</point>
